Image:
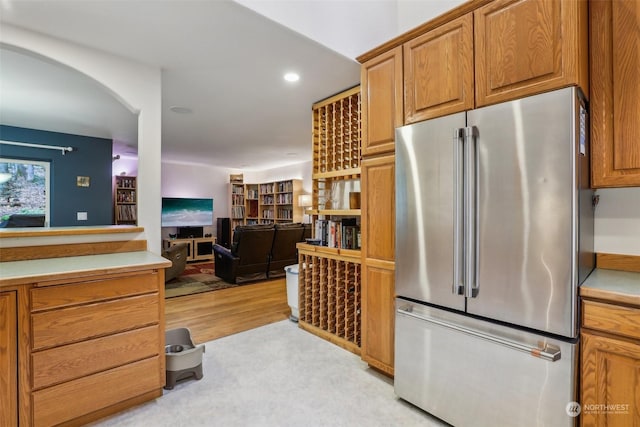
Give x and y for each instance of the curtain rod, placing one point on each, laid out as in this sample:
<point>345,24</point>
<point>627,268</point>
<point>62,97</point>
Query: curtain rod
<point>48,147</point>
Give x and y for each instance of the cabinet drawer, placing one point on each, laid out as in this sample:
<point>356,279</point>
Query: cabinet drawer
<point>73,361</point>
<point>73,399</point>
<point>611,318</point>
<point>73,324</point>
<point>92,291</point>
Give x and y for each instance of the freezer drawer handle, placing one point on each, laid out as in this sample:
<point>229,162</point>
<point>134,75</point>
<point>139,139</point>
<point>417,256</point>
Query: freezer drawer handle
<point>548,351</point>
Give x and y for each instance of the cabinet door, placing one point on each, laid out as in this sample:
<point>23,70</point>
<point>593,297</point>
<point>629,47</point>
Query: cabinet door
<point>381,83</point>
<point>610,382</point>
<point>615,92</point>
<point>378,316</point>
<point>378,208</point>
<point>438,71</point>
<point>525,47</point>
<point>378,252</point>
<point>8,360</point>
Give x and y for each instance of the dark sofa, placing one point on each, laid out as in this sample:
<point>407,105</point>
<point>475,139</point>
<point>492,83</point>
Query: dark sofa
<point>259,252</point>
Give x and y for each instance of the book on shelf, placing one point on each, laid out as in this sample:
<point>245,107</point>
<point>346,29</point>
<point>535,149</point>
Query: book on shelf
<point>237,212</point>
<point>343,234</point>
<point>127,212</point>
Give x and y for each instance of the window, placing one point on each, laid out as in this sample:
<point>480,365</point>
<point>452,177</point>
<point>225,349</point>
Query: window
<point>24,188</point>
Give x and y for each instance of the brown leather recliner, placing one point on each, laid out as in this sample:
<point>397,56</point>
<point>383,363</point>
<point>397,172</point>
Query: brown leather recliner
<point>177,254</point>
<point>284,251</point>
<point>248,258</point>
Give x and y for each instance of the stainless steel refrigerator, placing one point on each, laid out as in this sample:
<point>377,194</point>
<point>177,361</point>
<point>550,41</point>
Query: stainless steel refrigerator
<point>494,234</point>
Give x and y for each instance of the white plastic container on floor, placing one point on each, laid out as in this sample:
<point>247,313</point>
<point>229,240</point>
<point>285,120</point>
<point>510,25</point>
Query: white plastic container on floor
<point>292,290</point>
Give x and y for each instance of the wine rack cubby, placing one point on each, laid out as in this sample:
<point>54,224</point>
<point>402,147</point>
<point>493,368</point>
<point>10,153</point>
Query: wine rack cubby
<point>329,295</point>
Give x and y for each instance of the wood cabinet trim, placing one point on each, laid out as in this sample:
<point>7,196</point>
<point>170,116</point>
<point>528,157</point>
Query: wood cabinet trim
<point>69,231</point>
<point>618,262</point>
<point>337,97</point>
<point>457,12</point>
<point>71,249</point>
<point>9,359</point>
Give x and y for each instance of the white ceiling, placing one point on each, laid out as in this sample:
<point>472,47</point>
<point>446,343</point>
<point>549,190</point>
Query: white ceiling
<point>220,59</point>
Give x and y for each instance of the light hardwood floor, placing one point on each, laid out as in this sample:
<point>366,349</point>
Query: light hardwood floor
<point>212,315</point>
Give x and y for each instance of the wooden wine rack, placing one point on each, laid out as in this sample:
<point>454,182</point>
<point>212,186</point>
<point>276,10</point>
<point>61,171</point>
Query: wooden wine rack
<point>336,133</point>
<point>329,294</point>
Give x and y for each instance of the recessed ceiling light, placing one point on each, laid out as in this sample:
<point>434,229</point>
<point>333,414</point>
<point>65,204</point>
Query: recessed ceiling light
<point>180,110</point>
<point>292,77</point>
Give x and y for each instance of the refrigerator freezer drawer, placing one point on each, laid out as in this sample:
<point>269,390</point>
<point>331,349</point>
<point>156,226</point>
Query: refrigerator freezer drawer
<point>473,373</point>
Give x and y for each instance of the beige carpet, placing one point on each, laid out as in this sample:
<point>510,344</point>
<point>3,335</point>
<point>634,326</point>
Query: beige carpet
<point>194,284</point>
<point>277,376</point>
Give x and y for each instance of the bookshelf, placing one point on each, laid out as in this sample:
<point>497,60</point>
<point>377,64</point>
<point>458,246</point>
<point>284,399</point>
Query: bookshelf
<point>266,203</point>
<point>252,202</point>
<point>125,200</point>
<point>237,204</point>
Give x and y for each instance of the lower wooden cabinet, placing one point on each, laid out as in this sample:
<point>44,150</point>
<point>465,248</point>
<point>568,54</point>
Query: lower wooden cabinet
<point>8,360</point>
<point>610,365</point>
<point>93,344</point>
<point>378,317</point>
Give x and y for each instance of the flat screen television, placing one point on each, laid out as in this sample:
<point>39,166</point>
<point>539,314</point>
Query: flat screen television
<point>184,212</point>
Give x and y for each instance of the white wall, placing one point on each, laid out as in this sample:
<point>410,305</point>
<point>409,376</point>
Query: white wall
<point>617,221</point>
<point>412,13</point>
<point>199,181</point>
<point>350,28</point>
<point>137,86</point>
<point>296,171</point>
<point>188,180</point>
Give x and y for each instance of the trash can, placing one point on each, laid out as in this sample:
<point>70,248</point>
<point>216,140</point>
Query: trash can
<point>292,290</point>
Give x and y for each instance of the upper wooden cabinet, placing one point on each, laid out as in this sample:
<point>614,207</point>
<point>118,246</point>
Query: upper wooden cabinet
<point>615,93</point>
<point>381,83</point>
<point>524,47</point>
<point>438,71</point>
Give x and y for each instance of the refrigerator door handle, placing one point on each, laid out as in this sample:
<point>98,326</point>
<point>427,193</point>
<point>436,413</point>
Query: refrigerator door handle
<point>458,209</point>
<point>471,167</point>
<point>544,351</point>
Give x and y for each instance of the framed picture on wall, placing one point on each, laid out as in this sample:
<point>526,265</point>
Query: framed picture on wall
<point>83,181</point>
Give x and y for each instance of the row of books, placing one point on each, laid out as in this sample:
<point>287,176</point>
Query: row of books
<point>343,233</point>
<point>127,213</point>
<point>237,211</point>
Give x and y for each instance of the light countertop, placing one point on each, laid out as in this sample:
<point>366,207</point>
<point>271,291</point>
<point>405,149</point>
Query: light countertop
<point>612,285</point>
<point>30,271</point>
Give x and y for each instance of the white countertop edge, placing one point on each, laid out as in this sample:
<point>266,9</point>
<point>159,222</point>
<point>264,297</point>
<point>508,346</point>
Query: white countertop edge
<point>39,269</point>
<point>623,282</point>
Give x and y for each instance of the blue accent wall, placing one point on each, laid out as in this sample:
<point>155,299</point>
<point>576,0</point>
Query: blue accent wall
<point>91,157</point>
